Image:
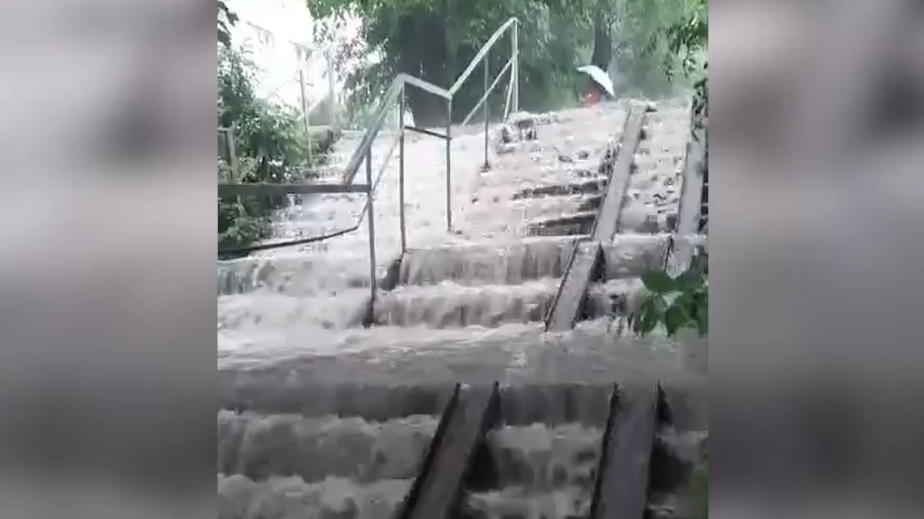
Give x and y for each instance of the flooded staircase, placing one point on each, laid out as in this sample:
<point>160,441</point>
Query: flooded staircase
<point>492,376</point>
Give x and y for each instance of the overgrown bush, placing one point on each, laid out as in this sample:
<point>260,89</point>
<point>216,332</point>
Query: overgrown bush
<point>270,143</point>
<point>676,302</point>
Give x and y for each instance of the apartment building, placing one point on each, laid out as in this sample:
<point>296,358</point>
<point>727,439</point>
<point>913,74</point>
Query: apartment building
<point>277,34</point>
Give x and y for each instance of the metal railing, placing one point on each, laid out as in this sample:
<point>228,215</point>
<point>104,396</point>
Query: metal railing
<point>363,153</point>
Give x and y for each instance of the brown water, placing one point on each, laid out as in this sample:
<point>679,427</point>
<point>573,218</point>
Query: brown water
<point>467,306</point>
<point>291,466</point>
<point>544,472</point>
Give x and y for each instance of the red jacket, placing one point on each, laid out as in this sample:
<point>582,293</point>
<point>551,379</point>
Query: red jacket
<point>593,95</point>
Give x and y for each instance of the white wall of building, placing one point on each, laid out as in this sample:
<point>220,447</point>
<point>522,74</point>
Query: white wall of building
<point>278,37</point>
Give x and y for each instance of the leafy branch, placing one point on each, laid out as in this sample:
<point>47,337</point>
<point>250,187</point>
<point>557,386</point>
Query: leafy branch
<point>675,302</point>
<point>226,20</point>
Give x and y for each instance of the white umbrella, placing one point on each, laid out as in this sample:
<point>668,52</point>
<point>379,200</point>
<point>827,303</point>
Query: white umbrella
<point>600,77</point>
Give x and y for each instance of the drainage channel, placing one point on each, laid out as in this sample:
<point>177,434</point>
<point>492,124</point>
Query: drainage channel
<point>551,452</point>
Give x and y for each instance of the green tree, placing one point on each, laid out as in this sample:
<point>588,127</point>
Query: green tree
<point>270,143</point>
<point>645,54</point>
<point>435,40</point>
<point>226,19</point>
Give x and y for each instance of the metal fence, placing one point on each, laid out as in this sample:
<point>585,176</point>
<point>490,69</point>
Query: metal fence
<point>363,153</point>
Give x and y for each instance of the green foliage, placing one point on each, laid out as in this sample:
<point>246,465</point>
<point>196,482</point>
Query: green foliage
<point>675,302</point>
<point>649,49</point>
<point>270,144</point>
<point>436,40</point>
<point>656,46</point>
<point>226,19</point>
<point>688,39</point>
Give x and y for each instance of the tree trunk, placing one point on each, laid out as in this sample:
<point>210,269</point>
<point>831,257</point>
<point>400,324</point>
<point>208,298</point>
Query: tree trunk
<point>603,41</point>
<point>421,41</point>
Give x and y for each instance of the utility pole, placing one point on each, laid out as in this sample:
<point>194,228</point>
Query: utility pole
<point>305,109</point>
<point>301,86</point>
<point>331,107</point>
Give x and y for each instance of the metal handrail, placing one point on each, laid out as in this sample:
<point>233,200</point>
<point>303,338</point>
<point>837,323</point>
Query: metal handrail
<point>363,152</point>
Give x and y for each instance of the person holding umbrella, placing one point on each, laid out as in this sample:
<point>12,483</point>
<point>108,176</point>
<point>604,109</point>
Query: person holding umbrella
<point>598,86</point>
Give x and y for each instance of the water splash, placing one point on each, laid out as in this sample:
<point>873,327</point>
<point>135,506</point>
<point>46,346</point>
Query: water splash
<point>292,498</point>
<point>450,304</point>
<point>543,472</point>
<point>315,448</point>
<point>496,264</point>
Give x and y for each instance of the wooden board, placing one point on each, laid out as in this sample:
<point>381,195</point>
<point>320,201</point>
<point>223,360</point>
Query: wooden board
<point>608,218</point>
<point>570,298</point>
<point>621,490</point>
<point>438,488</point>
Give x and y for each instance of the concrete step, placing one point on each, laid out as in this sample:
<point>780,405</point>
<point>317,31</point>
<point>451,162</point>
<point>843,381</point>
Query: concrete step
<point>487,263</point>
<point>586,187</point>
<point>565,225</point>
<point>542,469</point>
<point>293,273</point>
<point>292,498</point>
<point>314,448</point>
<point>273,361</point>
<point>449,304</point>
<point>540,448</point>
<point>265,310</point>
<point>631,255</point>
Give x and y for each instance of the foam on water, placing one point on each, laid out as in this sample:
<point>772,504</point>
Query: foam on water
<point>313,448</point>
<point>543,472</point>
<point>266,310</point>
<point>468,306</point>
<point>290,466</point>
<point>449,304</point>
<point>292,498</point>
<point>487,263</point>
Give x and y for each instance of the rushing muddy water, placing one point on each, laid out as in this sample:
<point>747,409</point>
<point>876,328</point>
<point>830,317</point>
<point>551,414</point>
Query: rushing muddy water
<point>543,472</point>
<point>465,305</point>
<point>289,466</point>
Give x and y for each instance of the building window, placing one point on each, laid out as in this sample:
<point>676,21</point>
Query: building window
<point>263,36</point>
<point>301,53</point>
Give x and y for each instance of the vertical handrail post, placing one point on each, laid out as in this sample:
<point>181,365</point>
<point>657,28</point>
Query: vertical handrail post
<point>371,216</point>
<point>487,68</point>
<point>232,161</point>
<point>305,108</point>
<point>449,165</point>
<point>232,152</point>
<point>331,106</point>
<point>515,72</point>
<point>401,170</point>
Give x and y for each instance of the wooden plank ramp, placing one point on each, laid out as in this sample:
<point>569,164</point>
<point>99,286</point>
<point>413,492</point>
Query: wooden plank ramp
<point>438,488</point>
<point>586,257</point>
<point>585,263</point>
<point>607,223</point>
<point>621,488</point>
